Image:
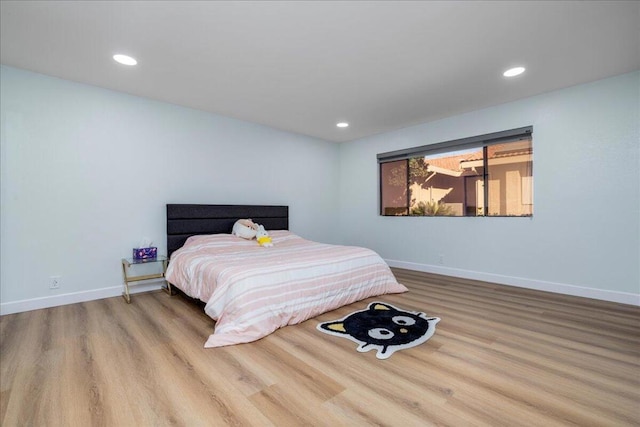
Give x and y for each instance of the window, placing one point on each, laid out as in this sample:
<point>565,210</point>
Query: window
<point>486,175</point>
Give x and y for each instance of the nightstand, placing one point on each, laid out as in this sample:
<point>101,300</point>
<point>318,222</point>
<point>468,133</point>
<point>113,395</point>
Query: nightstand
<point>160,262</point>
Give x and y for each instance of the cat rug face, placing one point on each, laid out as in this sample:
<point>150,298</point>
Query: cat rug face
<point>383,327</point>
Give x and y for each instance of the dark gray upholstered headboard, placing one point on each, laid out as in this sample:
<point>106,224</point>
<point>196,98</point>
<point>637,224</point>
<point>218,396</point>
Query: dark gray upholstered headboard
<point>184,221</point>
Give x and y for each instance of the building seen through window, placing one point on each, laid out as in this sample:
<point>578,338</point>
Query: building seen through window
<point>491,175</point>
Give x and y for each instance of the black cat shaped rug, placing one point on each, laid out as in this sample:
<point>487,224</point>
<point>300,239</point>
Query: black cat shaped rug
<point>383,327</point>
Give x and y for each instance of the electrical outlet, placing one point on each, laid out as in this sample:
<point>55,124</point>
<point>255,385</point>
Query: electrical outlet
<point>441,259</point>
<point>54,282</point>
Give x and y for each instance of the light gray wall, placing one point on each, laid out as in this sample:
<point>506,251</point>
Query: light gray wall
<point>585,229</point>
<point>86,174</point>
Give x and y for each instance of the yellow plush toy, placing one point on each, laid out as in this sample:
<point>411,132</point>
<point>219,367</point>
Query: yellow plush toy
<point>263,237</point>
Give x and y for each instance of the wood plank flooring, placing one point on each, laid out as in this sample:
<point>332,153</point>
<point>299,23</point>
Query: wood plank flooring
<point>501,356</point>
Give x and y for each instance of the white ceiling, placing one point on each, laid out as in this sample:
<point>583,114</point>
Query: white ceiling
<point>304,66</point>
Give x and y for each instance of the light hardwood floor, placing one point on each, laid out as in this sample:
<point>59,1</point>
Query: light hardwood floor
<point>501,356</point>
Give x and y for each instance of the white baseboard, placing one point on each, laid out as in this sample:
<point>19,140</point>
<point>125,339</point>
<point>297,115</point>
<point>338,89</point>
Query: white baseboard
<point>559,288</point>
<point>74,297</point>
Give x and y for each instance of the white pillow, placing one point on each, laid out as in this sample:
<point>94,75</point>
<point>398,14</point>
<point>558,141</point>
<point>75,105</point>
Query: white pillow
<point>245,228</point>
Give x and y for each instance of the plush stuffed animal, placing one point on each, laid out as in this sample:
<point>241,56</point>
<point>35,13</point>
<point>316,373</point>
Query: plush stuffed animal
<point>245,228</point>
<point>263,237</point>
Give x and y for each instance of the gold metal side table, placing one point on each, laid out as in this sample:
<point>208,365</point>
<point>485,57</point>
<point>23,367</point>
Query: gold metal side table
<point>128,262</point>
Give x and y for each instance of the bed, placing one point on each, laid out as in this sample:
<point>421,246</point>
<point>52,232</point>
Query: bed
<point>250,290</point>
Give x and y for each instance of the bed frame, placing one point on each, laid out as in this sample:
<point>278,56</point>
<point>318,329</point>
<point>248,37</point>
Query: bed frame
<point>188,220</point>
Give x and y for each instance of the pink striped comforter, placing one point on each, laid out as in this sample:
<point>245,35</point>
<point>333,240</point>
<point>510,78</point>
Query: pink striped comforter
<point>251,290</point>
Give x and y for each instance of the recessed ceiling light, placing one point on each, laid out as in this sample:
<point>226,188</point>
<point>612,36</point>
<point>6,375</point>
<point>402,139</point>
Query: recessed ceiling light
<point>124,59</point>
<point>342,124</point>
<point>512,72</point>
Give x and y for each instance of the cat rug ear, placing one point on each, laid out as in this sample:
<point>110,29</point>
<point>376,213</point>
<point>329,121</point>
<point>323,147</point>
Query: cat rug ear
<point>380,306</point>
<point>334,327</point>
